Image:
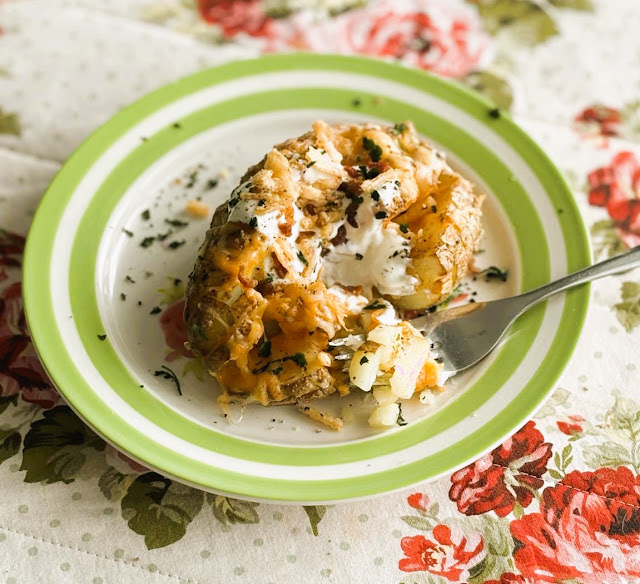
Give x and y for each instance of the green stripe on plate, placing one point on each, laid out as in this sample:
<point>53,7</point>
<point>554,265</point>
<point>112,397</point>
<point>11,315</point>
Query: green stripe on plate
<point>85,250</point>
<point>40,311</point>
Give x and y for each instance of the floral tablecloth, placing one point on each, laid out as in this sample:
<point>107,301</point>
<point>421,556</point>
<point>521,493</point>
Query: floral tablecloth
<point>557,502</point>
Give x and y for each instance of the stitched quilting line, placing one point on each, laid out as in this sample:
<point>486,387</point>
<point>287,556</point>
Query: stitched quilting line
<point>558,483</point>
<point>76,549</point>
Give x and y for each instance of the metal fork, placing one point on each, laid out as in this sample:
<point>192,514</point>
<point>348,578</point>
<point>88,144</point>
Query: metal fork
<point>464,335</point>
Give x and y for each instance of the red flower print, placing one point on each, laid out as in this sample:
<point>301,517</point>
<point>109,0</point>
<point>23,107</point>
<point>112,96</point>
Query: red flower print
<point>571,426</point>
<point>588,529</point>
<point>448,553</point>
<point>617,187</point>
<point>418,501</point>
<point>503,477</point>
<point>173,328</point>
<point>237,16</point>
<point>437,36</point>
<point>599,121</point>
<point>20,369</point>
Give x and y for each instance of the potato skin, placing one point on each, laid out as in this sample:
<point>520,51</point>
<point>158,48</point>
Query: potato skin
<point>234,307</point>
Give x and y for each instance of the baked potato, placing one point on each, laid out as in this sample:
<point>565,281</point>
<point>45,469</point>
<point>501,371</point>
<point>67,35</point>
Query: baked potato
<point>321,239</point>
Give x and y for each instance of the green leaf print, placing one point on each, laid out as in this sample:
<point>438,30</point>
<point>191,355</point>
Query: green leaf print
<point>606,241</point>
<point>499,546</point>
<point>56,446</point>
<point>160,509</point>
<point>585,5</point>
<point>527,21</point>
<point>608,454</point>
<point>628,311</point>
<point>315,513</point>
<point>228,510</point>
<point>9,123</point>
<point>6,401</point>
<point>496,88</point>
<point>417,522</point>
<point>9,444</point>
<point>114,484</point>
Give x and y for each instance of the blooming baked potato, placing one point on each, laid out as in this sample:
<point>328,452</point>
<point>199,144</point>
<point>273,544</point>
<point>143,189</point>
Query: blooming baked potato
<point>320,239</point>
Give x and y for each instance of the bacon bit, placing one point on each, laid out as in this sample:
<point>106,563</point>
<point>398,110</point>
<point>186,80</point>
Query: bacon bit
<point>246,280</point>
<point>285,229</point>
<point>332,422</point>
<point>198,209</point>
<point>310,209</point>
<point>340,237</point>
<point>278,267</point>
<point>353,289</point>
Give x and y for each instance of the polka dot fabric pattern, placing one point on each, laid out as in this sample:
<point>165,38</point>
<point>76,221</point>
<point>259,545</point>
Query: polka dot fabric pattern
<point>557,502</point>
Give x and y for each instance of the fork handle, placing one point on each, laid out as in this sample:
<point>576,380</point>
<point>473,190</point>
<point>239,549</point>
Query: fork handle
<point>615,265</point>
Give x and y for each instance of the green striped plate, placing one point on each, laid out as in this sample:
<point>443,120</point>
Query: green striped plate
<point>92,269</point>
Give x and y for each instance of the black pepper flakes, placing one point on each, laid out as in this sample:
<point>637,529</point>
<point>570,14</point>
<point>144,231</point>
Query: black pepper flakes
<point>146,215</point>
<point>123,296</point>
<point>359,256</point>
<point>176,244</point>
<point>156,310</point>
<point>495,113</point>
<point>102,337</point>
<point>129,279</point>
<point>147,241</point>
<point>212,183</point>
<point>127,232</point>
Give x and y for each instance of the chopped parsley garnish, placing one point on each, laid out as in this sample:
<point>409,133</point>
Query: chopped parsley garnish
<point>129,279</point>
<point>396,182</point>
<point>212,183</point>
<point>364,360</point>
<point>262,203</point>
<point>168,374</point>
<point>375,152</point>
<point>356,102</point>
<point>269,278</point>
<point>177,125</point>
<point>233,202</point>
<point>399,128</point>
<point>265,350</point>
<point>494,113</point>
<point>359,256</point>
<point>176,244</point>
<point>495,273</point>
<point>127,232</point>
<point>400,421</point>
<point>302,258</point>
<point>375,306</point>
<point>156,310</point>
<point>404,228</point>
<point>380,215</point>
<point>176,222</point>
<point>193,177</point>
<point>375,195</point>
<point>123,296</point>
<point>253,222</point>
<point>102,337</point>
<point>369,173</point>
<point>198,330</point>
<point>146,215</point>
<point>310,164</point>
<point>147,241</point>
<point>299,359</point>
<point>163,236</point>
